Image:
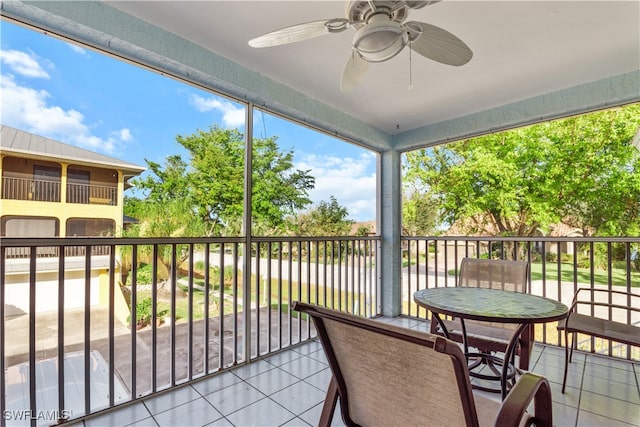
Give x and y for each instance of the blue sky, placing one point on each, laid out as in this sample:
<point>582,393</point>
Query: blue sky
<point>84,98</point>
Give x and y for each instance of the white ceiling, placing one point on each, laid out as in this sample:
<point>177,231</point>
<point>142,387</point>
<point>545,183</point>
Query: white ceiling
<point>521,49</point>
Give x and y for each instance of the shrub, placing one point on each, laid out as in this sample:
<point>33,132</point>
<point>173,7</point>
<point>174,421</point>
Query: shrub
<point>144,276</point>
<point>144,311</point>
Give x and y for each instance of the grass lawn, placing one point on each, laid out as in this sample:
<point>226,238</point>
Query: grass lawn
<point>618,275</point>
<point>600,277</point>
<point>282,293</point>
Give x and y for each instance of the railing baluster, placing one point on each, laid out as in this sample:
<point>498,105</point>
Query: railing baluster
<point>174,284</point>
<point>339,275</point>
<point>279,313</point>
<point>207,283</point>
<point>61,370</point>
<point>190,352</point>
<point>133,322</point>
<point>258,297</point>
<point>268,298</point>
<point>3,393</point>
<point>221,308</point>
<point>154,308</point>
<point>87,329</point>
<point>112,358</point>
<point>289,291</point>
<point>32,335</point>
<point>235,302</point>
<point>299,290</point>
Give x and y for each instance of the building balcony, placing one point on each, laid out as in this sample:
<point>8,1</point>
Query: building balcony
<point>50,191</point>
<point>214,341</point>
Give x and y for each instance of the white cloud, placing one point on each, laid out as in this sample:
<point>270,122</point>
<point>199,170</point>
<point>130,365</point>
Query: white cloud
<point>27,108</point>
<point>23,64</point>
<point>77,49</point>
<point>349,179</point>
<point>232,115</point>
<point>125,134</point>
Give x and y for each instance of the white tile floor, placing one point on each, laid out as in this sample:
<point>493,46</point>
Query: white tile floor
<point>287,389</point>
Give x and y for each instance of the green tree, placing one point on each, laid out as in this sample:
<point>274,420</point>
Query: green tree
<point>174,218</point>
<point>325,219</point>
<point>582,170</point>
<point>419,214</point>
<point>210,183</point>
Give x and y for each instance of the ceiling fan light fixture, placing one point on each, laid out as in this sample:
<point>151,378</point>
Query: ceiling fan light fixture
<point>381,39</point>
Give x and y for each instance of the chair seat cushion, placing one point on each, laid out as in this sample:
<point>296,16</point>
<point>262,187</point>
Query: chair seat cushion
<point>484,334</point>
<point>603,328</point>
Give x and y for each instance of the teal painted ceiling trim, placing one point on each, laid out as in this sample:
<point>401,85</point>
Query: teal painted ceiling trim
<point>103,27</point>
<point>601,94</point>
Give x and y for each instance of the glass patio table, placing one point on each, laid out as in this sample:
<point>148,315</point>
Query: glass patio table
<point>491,305</point>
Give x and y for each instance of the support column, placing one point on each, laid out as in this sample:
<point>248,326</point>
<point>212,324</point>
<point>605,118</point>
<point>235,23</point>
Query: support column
<point>247,230</point>
<point>63,215</point>
<point>390,220</point>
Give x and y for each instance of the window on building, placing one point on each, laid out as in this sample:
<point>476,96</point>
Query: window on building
<point>46,183</point>
<point>90,227</point>
<point>78,186</point>
<point>13,226</point>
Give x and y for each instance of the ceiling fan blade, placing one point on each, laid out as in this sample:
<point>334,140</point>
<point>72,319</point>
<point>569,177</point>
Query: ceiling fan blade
<point>420,4</point>
<point>439,45</point>
<point>354,71</point>
<point>300,32</point>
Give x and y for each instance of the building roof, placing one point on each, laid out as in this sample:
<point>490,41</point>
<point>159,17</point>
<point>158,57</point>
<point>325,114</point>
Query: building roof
<point>27,144</point>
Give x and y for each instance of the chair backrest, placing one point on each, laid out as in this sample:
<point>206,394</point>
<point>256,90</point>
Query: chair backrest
<point>494,274</point>
<point>393,376</point>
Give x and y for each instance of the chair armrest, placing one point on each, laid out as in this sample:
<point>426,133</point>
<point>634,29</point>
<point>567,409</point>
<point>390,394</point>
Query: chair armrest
<point>593,302</point>
<point>530,387</point>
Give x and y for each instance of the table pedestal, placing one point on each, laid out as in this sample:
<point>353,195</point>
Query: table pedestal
<point>504,370</point>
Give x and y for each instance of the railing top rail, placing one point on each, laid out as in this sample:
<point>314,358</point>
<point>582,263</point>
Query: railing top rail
<point>101,241</point>
<point>260,239</point>
<point>526,239</point>
<point>100,185</point>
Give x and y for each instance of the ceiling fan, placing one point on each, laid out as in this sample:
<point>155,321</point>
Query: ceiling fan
<point>381,34</point>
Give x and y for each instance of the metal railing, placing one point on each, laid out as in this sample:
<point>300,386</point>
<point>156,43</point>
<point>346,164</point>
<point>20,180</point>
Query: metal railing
<point>49,191</point>
<point>558,267</point>
<point>30,189</point>
<point>155,313</point>
<point>54,251</point>
<point>132,317</point>
<point>92,194</point>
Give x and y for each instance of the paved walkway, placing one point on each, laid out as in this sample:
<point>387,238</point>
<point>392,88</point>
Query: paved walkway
<point>221,350</point>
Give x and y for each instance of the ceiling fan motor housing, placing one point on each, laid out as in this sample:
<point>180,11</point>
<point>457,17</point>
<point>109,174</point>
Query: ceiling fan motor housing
<point>379,34</point>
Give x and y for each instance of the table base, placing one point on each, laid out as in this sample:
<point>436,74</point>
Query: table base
<point>495,364</point>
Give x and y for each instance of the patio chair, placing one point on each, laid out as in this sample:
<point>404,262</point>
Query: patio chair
<point>492,337</point>
<point>391,376</point>
<point>592,312</point>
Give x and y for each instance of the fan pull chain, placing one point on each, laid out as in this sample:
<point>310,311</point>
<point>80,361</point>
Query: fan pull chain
<point>410,76</point>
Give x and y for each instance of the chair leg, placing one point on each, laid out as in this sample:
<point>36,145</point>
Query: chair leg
<point>330,401</point>
<point>567,356</point>
<point>573,345</point>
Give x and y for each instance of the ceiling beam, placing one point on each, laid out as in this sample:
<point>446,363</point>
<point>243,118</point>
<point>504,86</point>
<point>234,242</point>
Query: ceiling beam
<point>607,93</point>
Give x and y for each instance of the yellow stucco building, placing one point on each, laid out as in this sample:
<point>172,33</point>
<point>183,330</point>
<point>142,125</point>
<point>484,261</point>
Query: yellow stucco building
<point>51,189</point>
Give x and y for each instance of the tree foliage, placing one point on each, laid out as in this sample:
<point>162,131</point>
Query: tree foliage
<point>582,171</point>
<point>324,219</point>
<point>209,185</point>
<point>419,214</point>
